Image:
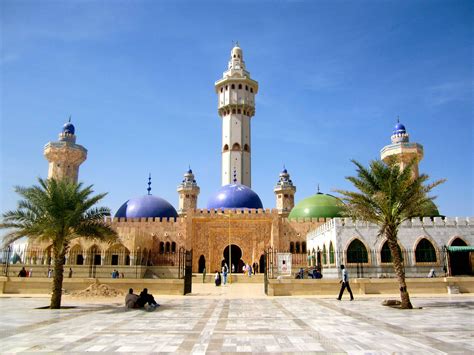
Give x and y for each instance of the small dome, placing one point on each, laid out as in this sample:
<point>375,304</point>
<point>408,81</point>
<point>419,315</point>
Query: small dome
<point>69,128</point>
<point>234,196</point>
<point>147,206</point>
<point>399,129</point>
<point>317,206</point>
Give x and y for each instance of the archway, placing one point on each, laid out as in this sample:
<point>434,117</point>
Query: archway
<point>261,264</point>
<point>236,255</point>
<point>202,264</point>
<point>459,261</point>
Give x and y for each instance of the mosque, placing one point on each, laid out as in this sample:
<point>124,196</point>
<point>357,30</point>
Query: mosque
<point>234,227</point>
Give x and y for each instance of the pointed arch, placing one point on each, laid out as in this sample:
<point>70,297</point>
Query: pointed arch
<point>226,148</point>
<point>76,256</point>
<point>173,247</point>
<point>167,247</point>
<point>386,254</point>
<point>457,241</point>
<point>425,251</point>
<point>246,147</point>
<point>297,247</point>
<point>356,252</point>
<point>325,258</point>
<point>331,253</point>
<point>236,147</point>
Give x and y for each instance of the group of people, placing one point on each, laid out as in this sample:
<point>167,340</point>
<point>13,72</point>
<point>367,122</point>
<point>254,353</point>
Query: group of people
<point>314,274</point>
<point>139,301</point>
<point>116,274</point>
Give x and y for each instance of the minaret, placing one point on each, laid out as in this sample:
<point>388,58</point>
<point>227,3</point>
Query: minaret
<point>284,193</point>
<point>188,192</point>
<point>65,156</point>
<point>402,149</point>
<point>236,106</point>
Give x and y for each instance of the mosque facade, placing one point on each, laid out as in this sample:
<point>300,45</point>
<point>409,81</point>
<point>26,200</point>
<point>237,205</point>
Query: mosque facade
<point>234,227</point>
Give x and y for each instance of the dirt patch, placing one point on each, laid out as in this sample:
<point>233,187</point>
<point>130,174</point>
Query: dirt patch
<point>97,290</point>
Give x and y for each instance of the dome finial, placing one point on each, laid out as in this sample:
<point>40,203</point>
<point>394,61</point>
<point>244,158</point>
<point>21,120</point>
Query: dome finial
<point>235,176</point>
<point>149,184</point>
<point>69,119</point>
<point>318,189</point>
<point>398,119</point>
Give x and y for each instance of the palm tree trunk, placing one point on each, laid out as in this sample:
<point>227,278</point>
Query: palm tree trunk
<point>59,254</point>
<point>399,267</point>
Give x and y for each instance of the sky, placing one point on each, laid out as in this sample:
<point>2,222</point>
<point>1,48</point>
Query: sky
<point>137,78</point>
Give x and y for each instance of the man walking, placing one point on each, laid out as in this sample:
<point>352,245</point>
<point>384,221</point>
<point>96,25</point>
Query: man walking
<point>345,284</point>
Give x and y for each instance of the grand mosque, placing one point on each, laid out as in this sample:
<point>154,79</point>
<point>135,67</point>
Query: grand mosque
<point>234,223</point>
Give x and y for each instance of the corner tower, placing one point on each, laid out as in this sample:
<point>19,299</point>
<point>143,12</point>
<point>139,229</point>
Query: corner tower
<point>284,193</point>
<point>65,156</point>
<point>188,192</point>
<point>236,106</point>
<point>402,149</point>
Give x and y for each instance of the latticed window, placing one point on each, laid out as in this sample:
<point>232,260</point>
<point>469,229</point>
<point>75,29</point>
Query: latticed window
<point>297,247</point>
<point>162,247</point>
<point>331,253</point>
<point>292,247</point>
<point>303,247</point>
<point>173,247</point>
<point>357,253</point>
<point>386,254</point>
<point>425,252</point>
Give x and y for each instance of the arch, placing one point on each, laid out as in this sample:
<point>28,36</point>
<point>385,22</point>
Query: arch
<point>240,86</point>
<point>386,254</point>
<point>226,88</point>
<point>325,258</point>
<point>76,256</point>
<point>173,247</point>
<point>162,248</point>
<point>457,241</point>
<point>226,147</point>
<point>246,147</point>
<point>201,264</point>
<point>303,247</point>
<point>116,255</point>
<point>251,90</point>
<point>459,262</point>
<point>425,252</point>
<point>95,257</point>
<point>236,146</point>
<point>222,89</point>
<point>246,88</point>
<point>232,86</point>
<point>297,247</point>
<point>357,252</point>
<point>233,256</point>
<point>331,253</point>
<point>292,247</point>
<point>167,247</point>
<point>261,264</point>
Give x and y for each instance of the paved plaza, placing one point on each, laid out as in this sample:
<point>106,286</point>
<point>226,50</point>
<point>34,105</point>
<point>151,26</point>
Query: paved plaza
<point>218,320</point>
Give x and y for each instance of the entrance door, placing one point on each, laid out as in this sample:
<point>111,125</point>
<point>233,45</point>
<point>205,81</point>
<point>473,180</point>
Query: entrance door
<point>459,260</point>
<point>202,264</point>
<point>234,253</point>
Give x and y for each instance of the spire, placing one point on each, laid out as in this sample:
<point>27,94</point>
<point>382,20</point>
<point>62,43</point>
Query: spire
<point>318,189</point>
<point>69,119</point>
<point>149,184</point>
<point>235,176</point>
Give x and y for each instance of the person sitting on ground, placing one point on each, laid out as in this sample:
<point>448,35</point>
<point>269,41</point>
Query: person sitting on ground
<point>317,274</point>
<point>145,298</point>
<point>217,278</point>
<point>22,272</point>
<point>131,299</point>
<point>432,273</point>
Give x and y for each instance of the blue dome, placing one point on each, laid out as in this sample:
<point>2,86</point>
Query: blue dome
<point>234,196</point>
<point>69,128</point>
<point>147,206</point>
<point>399,129</point>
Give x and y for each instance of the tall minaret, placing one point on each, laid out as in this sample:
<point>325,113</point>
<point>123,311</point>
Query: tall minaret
<point>402,149</point>
<point>188,192</point>
<point>284,193</point>
<point>236,105</point>
<point>65,156</point>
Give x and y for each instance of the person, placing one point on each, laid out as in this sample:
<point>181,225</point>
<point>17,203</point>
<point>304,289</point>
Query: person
<point>317,274</point>
<point>233,268</point>
<point>22,272</point>
<point>254,267</point>
<point>122,275</point>
<point>225,269</point>
<point>432,273</point>
<point>217,278</point>
<point>50,272</point>
<point>301,273</point>
<point>70,272</point>
<point>30,273</point>
<point>145,298</point>
<point>204,275</point>
<point>131,299</point>
<point>345,284</point>
<point>249,270</point>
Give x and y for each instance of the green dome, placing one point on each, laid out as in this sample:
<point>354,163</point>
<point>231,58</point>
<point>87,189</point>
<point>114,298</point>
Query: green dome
<point>430,210</point>
<point>317,206</point>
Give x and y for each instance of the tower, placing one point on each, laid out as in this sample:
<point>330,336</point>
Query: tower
<point>236,106</point>
<point>188,192</point>
<point>285,193</point>
<point>402,149</point>
<point>65,156</point>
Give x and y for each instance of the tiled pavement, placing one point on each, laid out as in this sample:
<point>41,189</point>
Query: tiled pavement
<point>217,323</point>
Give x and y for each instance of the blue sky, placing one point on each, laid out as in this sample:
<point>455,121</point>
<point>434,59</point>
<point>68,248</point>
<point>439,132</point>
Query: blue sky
<point>137,78</point>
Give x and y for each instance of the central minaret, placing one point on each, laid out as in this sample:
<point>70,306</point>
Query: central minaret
<point>236,106</point>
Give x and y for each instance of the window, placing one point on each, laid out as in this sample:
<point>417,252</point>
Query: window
<point>357,253</point>
<point>222,89</point>
<point>303,247</point>
<point>239,111</point>
<point>292,247</point>
<point>246,88</point>
<point>233,110</point>
<point>331,253</point>
<point>325,258</point>
<point>232,87</point>
<point>167,247</point>
<point>173,247</point>
<point>251,90</point>
<point>226,87</point>
<point>236,146</point>
<point>162,248</point>
<point>246,147</point>
<point>226,148</point>
<point>115,259</point>
<point>240,86</point>
<point>80,260</point>
<point>425,252</point>
<point>297,247</point>
<point>386,254</point>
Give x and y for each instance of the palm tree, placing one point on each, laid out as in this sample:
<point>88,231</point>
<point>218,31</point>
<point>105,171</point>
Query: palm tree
<point>57,211</point>
<point>388,196</point>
